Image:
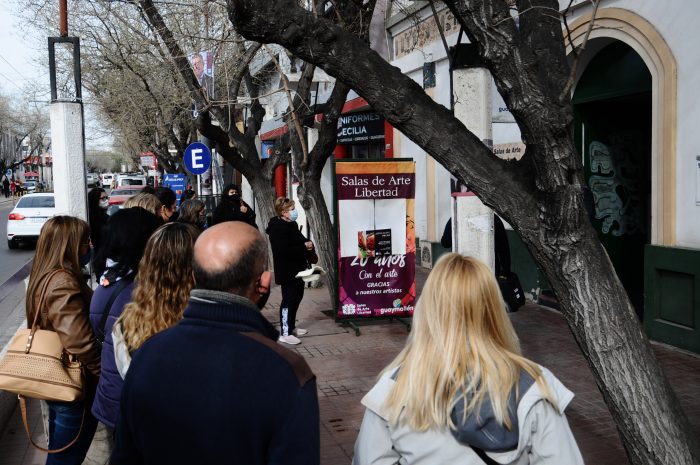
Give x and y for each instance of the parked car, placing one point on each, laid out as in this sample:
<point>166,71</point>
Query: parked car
<point>93,180</point>
<point>30,186</point>
<point>26,219</point>
<point>121,194</point>
<point>107,180</point>
<point>130,180</point>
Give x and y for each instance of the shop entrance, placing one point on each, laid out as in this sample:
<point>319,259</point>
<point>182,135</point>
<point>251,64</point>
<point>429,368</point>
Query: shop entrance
<point>612,108</point>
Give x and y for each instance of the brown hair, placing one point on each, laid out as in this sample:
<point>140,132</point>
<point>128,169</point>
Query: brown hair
<point>57,249</point>
<point>190,210</point>
<point>166,266</point>
<point>282,205</point>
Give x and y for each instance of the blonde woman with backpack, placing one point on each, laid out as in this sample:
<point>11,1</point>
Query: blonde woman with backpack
<point>460,392</point>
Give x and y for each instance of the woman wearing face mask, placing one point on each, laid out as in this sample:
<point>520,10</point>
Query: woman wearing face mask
<point>233,208</point>
<point>98,203</point>
<point>193,212</point>
<point>57,290</point>
<point>290,254</point>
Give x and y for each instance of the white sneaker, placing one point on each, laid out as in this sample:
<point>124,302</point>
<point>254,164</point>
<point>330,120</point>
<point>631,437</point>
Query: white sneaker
<point>291,340</point>
<point>300,332</point>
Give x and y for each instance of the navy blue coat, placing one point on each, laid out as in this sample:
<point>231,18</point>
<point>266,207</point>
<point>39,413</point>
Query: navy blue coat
<point>106,404</point>
<point>217,388</point>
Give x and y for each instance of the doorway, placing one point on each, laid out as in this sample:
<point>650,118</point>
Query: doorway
<point>612,109</point>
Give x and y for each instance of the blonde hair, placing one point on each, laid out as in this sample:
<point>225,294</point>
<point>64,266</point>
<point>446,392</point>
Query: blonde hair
<point>166,266</point>
<point>58,247</point>
<point>462,345</point>
<point>282,205</point>
<point>146,201</point>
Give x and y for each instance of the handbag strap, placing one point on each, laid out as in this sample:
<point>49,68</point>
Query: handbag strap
<point>118,288</point>
<point>42,298</point>
<point>23,408</point>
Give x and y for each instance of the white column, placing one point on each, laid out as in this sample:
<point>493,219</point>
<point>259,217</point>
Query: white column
<point>472,223</point>
<point>69,176</point>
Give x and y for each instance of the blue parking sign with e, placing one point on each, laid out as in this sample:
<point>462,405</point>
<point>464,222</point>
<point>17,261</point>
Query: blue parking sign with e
<point>197,158</point>
<point>8,173</point>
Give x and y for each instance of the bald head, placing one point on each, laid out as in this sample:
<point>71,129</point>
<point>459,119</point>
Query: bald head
<point>229,257</point>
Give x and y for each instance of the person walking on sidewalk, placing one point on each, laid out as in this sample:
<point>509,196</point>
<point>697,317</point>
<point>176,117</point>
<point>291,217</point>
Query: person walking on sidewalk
<point>460,392</point>
<point>216,387</point>
<point>63,247</point>
<point>6,186</point>
<point>290,253</point>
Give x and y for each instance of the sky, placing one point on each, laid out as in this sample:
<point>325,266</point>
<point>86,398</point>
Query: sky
<point>18,53</point>
<point>23,61</point>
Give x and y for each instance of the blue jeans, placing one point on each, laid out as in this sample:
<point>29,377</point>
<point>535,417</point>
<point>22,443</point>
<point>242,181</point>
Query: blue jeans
<point>64,424</point>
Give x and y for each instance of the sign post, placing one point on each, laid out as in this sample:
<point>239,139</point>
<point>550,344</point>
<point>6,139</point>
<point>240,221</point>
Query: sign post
<point>376,238</point>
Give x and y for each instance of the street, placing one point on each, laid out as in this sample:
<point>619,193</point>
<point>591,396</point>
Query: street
<point>11,260</point>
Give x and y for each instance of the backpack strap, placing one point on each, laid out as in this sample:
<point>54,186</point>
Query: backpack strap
<point>482,455</point>
<point>118,288</point>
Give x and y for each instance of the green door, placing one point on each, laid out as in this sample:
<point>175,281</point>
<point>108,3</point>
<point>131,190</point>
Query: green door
<point>612,107</point>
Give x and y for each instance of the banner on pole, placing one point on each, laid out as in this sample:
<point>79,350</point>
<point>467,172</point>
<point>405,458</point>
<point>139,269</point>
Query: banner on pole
<point>376,238</point>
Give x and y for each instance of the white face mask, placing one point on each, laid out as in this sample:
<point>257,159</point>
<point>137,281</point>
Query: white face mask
<point>104,204</point>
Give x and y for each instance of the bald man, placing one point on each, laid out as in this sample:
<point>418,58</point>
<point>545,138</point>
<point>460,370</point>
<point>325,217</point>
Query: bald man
<point>210,389</point>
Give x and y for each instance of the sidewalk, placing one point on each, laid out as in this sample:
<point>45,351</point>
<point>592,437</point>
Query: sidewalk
<point>346,366</point>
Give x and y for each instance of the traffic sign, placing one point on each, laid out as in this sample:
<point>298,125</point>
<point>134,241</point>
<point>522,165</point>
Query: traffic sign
<point>197,158</point>
<point>8,173</point>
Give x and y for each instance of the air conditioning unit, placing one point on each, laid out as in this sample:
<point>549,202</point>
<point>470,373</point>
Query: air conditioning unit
<point>426,254</point>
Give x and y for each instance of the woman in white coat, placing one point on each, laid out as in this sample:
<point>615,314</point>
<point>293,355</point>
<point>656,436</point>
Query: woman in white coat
<point>460,392</point>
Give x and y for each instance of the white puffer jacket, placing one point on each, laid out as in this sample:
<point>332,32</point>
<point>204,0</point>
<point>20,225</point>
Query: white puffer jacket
<point>544,435</point>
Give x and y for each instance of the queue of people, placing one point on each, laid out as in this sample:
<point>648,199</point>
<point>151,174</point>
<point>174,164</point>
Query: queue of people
<point>182,367</point>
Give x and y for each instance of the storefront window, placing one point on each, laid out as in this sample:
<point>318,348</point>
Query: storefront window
<point>367,151</point>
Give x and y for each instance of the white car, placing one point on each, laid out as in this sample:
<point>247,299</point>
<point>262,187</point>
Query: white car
<point>29,215</point>
<point>93,180</point>
<point>107,180</point>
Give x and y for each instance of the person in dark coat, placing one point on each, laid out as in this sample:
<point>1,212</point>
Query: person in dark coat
<point>290,253</point>
<point>98,203</point>
<point>233,208</point>
<point>216,388</point>
<point>125,238</point>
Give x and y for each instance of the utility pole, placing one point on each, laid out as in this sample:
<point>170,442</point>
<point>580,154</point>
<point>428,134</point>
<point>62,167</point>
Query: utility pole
<point>67,130</point>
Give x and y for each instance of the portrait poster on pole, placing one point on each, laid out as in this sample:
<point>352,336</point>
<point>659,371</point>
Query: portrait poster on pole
<point>376,238</point>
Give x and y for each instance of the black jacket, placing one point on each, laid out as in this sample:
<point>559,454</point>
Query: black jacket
<point>230,210</point>
<point>289,254</point>
<point>217,388</point>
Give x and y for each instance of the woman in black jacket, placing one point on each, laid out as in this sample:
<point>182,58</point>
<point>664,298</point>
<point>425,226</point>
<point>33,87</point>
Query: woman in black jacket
<point>233,208</point>
<point>290,254</point>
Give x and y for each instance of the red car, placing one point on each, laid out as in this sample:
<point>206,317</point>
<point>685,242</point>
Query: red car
<point>118,196</point>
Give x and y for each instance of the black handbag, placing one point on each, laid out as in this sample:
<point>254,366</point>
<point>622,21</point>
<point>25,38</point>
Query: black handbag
<point>512,290</point>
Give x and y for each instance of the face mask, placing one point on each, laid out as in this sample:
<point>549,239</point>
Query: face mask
<point>85,259</point>
<point>104,204</point>
<point>293,215</point>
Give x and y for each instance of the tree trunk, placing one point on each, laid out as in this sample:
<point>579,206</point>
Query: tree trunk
<point>314,204</point>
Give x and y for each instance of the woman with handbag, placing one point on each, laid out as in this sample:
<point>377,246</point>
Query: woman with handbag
<point>460,392</point>
<point>59,299</point>
<point>291,252</point>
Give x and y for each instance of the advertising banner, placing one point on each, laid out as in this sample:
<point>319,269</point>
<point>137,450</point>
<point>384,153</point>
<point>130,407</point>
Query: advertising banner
<point>176,182</point>
<point>376,238</point>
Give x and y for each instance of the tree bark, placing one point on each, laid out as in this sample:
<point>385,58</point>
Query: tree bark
<point>540,196</point>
